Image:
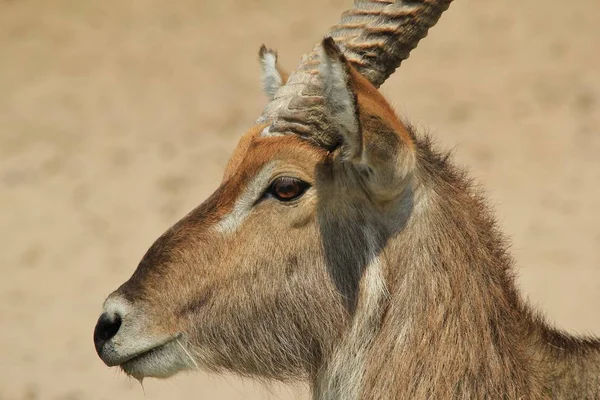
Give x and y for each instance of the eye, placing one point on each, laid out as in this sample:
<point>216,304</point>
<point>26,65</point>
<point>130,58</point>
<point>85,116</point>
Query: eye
<point>287,188</point>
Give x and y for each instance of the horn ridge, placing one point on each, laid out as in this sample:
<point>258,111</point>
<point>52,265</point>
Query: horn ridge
<point>375,36</point>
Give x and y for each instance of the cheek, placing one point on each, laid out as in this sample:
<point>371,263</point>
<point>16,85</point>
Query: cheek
<point>270,276</point>
<point>271,216</point>
<point>306,214</point>
<point>273,241</point>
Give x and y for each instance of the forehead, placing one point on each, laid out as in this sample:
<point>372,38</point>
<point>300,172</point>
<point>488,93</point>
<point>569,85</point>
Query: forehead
<point>254,151</point>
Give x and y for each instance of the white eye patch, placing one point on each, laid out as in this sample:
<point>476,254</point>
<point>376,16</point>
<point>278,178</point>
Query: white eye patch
<point>246,200</point>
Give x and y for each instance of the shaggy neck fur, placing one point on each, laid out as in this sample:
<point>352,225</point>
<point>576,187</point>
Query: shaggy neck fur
<point>439,316</point>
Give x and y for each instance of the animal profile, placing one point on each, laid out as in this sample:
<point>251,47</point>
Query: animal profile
<point>341,248</point>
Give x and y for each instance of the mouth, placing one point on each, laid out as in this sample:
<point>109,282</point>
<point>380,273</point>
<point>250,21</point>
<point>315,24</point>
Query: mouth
<point>159,361</point>
<point>148,352</point>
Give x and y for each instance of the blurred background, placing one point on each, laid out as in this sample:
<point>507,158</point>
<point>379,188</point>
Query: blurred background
<point>117,118</point>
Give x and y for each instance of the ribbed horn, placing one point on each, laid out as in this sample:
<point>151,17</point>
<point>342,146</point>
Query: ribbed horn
<point>375,36</point>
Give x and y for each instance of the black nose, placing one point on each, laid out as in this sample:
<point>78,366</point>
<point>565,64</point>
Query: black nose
<point>106,328</point>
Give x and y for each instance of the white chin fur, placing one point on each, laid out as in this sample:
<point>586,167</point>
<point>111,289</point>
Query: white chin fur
<point>162,362</point>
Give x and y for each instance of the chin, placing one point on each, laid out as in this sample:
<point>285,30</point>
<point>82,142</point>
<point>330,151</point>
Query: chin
<point>160,362</point>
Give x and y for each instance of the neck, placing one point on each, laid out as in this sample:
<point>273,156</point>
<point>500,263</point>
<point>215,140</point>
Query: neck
<point>448,321</point>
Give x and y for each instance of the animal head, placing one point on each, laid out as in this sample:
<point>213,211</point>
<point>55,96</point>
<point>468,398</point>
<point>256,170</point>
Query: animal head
<point>264,276</point>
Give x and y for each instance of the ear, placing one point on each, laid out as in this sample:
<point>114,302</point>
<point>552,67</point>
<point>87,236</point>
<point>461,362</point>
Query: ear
<point>372,137</point>
<point>272,76</point>
<point>340,99</point>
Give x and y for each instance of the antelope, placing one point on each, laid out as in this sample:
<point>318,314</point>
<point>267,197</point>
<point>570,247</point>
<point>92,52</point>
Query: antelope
<point>341,248</point>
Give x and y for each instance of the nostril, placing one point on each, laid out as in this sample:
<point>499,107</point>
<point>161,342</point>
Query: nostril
<point>106,328</point>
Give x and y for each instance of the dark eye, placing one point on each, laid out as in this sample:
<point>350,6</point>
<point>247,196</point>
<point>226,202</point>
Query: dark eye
<point>286,188</point>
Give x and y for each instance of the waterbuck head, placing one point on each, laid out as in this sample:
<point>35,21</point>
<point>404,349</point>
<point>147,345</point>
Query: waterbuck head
<point>264,277</point>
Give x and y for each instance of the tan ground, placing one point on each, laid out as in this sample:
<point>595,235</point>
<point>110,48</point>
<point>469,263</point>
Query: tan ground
<point>117,117</point>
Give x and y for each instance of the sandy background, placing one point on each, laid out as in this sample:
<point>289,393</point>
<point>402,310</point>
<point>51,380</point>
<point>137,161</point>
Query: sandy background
<point>117,117</point>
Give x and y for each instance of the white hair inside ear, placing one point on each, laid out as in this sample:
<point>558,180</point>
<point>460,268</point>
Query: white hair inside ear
<point>270,73</point>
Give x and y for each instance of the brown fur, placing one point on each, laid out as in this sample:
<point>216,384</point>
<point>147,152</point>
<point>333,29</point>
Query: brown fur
<point>293,292</point>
